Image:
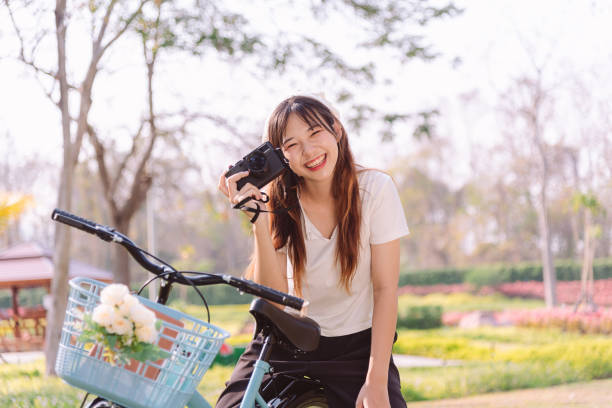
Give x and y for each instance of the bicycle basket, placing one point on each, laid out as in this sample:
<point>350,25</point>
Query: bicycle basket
<point>167,383</point>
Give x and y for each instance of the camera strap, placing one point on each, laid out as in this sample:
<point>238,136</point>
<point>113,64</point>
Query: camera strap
<point>256,211</point>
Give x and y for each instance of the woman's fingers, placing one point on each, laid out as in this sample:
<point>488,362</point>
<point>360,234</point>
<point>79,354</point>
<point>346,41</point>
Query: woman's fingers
<point>229,187</point>
<point>230,182</point>
<point>248,190</point>
<point>223,186</point>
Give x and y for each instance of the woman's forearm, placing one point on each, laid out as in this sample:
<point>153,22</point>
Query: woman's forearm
<point>383,331</point>
<point>267,269</point>
<point>385,275</point>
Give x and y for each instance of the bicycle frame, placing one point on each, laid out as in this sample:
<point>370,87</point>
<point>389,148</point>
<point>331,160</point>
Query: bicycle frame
<point>252,394</point>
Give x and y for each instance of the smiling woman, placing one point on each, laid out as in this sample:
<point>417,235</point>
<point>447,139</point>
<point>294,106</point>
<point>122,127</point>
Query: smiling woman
<point>332,237</point>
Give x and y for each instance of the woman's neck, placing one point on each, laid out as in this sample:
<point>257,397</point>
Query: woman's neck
<point>317,191</point>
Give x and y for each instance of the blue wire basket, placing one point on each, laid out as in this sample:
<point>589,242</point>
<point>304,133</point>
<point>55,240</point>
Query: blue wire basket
<point>167,383</point>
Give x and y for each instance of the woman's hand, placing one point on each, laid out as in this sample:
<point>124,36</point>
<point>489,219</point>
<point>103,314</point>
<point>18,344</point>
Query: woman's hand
<point>373,395</point>
<point>228,186</point>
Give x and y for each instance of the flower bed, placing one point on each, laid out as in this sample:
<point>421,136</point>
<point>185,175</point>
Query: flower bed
<point>567,291</point>
<point>593,322</point>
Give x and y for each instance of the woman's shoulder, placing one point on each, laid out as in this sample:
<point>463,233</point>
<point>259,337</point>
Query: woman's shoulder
<point>372,179</point>
<point>372,183</point>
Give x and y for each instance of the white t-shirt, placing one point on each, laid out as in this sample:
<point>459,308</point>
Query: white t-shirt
<point>337,311</point>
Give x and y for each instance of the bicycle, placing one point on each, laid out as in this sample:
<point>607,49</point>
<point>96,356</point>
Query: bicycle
<point>192,343</point>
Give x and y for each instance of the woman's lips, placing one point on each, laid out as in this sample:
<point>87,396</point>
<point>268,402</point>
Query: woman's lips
<point>317,163</point>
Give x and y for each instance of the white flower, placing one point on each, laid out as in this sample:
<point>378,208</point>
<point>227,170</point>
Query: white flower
<point>128,302</point>
<point>121,326</point>
<point>104,315</point>
<point>113,294</point>
<point>142,316</point>
<point>148,334</point>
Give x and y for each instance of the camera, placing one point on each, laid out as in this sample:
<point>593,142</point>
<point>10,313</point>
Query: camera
<point>265,163</point>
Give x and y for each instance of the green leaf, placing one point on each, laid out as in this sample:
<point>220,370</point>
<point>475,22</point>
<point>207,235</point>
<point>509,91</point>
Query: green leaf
<point>112,340</point>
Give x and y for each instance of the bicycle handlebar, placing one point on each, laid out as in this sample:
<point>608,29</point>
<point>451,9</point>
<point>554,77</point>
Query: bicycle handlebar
<point>109,234</point>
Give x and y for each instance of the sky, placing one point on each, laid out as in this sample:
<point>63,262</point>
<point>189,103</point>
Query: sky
<point>482,50</point>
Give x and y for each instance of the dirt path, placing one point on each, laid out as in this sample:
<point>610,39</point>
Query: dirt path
<point>594,394</point>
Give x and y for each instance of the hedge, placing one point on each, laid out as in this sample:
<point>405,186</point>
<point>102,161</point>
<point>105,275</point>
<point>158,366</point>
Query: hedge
<point>567,270</point>
<point>420,317</point>
<point>432,277</point>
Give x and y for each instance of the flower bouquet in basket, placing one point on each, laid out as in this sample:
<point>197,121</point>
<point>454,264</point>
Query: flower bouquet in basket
<point>123,327</point>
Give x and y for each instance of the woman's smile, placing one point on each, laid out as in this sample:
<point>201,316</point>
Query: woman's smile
<point>317,163</point>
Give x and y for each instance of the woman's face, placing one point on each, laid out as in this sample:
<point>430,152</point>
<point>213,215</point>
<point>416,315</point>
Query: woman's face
<point>312,151</point>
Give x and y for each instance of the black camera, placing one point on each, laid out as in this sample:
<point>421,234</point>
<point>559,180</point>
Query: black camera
<point>265,163</point>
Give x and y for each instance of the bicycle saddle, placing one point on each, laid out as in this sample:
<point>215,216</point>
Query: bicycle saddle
<point>302,332</point>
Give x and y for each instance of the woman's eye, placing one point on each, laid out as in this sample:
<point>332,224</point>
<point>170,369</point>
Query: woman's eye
<point>290,146</point>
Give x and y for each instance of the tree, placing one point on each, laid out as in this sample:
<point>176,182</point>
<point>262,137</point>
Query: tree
<point>127,178</point>
<point>17,176</point>
<point>108,25</point>
<point>11,206</point>
<point>527,108</point>
<point>592,231</point>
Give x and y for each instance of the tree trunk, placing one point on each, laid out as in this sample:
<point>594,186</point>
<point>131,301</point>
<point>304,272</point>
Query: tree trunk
<point>587,284</point>
<point>121,264</point>
<point>606,237</point>
<point>548,267</point>
<point>61,257</point>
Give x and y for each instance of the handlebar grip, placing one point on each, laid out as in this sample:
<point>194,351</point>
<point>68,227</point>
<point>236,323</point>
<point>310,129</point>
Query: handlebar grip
<point>74,221</point>
<point>265,292</point>
<point>81,223</point>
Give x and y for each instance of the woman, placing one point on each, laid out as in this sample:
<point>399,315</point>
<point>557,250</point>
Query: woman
<point>337,246</point>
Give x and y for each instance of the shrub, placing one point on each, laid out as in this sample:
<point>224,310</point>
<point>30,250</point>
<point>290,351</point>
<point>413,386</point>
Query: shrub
<point>567,270</point>
<point>420,317</point>
<point>480,277</point>
<point>432,276</point>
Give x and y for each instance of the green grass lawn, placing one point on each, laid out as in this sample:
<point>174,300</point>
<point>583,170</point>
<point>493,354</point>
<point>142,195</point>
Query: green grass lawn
<point>26,386</point>
<point>500,359</point>
<point>465,302</point>
<point>229,317</point>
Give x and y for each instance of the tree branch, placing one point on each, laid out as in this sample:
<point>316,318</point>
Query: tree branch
<point>123,164</point>
<point>127,24</point>
<point>102,168</point>
<point>86,86</point>
<point>97,49</point>
<point>30,62</point>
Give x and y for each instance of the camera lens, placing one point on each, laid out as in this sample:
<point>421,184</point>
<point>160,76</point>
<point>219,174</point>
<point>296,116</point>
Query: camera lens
<point>257,162</point>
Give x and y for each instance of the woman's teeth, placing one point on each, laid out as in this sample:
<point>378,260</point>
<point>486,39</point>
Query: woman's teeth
<point>316,162</point>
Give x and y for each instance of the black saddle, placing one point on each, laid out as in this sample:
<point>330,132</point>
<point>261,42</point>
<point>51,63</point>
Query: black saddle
<point>302,332</point>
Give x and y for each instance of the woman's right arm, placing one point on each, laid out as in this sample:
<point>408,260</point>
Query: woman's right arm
<point>268,266</point>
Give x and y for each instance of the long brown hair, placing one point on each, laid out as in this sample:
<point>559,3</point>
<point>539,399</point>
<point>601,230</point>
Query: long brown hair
<point>286,227</point>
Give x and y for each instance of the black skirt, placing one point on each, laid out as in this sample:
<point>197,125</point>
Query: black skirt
<point>340,363</point>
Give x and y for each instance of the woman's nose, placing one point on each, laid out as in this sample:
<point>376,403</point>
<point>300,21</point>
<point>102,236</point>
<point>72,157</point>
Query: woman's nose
<point>307,148</point>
